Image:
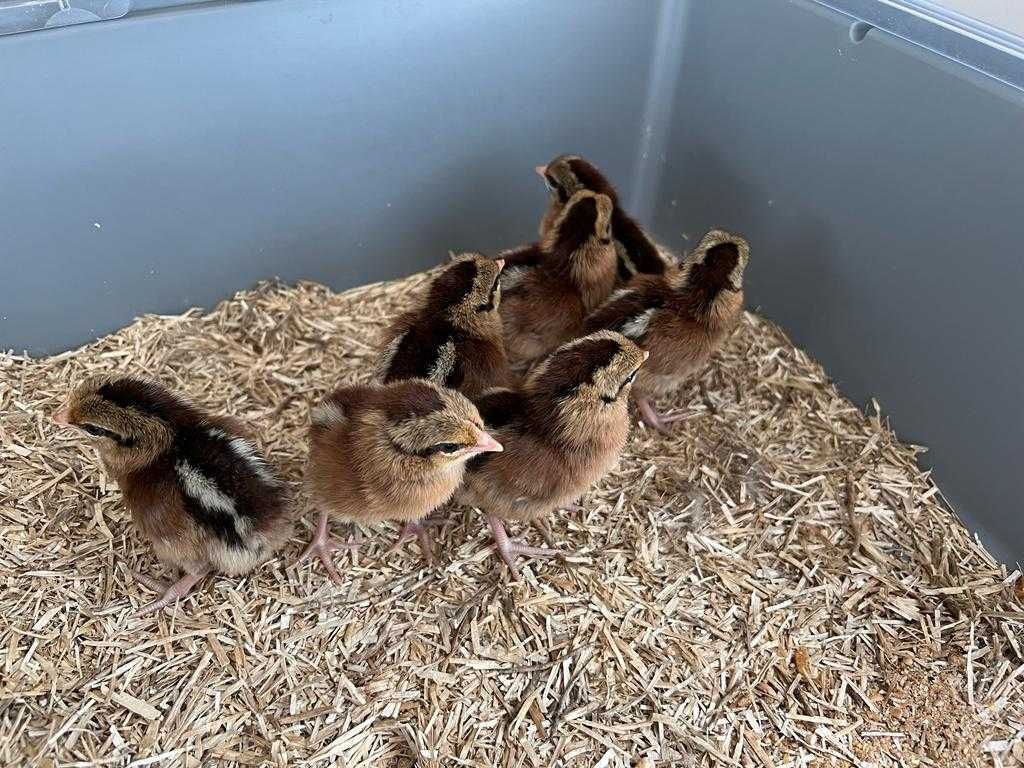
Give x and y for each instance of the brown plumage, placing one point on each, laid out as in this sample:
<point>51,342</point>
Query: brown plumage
<point>549,288</point>
<point>389,452</point>
<point>680,317</point>
<point>562,432</point>
<point>454,337</point>
<point>195,484</point>
<point>568,174</point>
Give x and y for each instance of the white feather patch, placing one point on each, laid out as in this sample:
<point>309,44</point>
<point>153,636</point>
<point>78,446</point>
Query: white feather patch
<point>247,452</point>
<point>621,293</point>
<point>512,276</point>
<point>636,327</point>
<point>327,414</point>
<point>444,364</point>
<point>387,357</point>
<point>205,491</point>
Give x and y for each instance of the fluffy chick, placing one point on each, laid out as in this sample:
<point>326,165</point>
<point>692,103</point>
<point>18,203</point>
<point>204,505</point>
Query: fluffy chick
<point>195,484</point>
<point>389,452</point>
<point>550,287</point>
<point>562,432</point>
<point>680,317</point>
<point>568,174</point>
<point>454,337</point>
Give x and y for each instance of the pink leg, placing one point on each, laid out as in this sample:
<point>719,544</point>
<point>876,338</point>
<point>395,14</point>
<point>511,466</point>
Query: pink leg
<point>171,594</point>
<point>419,530</point>
<point>650,416</point>
<point>509,549</point>
<point>322,545</point>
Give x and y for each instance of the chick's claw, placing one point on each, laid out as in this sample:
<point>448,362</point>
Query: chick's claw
<point>510,549</point>
<point>171,594</point>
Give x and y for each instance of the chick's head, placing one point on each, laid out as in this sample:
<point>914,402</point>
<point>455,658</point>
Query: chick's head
<point>438,426</point>
<point>589,376</point>
<point>129,419</point>
<point>568,174</point>
<point>717,262</point>
<point>469,291</point>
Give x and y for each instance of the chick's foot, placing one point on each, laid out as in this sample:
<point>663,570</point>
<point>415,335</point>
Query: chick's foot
<point>323,545</point>
<point>510,550</point>
<point>171,594</point>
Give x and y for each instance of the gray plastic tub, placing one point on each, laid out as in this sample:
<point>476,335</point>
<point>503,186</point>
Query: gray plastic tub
<point>871,152</point>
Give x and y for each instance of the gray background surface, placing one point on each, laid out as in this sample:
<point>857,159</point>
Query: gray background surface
<point>881,186</point>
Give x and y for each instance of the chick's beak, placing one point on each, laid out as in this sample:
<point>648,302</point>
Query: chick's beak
<point>486,444</point>
<point>500,263</point>
<point>541,170</point>
<point>647,353</point>
<point>62,417</point>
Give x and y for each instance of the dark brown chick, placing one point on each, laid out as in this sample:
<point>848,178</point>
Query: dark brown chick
<point>562,432</point>
<point>196,485</point>
<point>568,174</point>
<point>549,288</point>
<point>680,317</point>
<point>454,337</point>
<point>389,452</point>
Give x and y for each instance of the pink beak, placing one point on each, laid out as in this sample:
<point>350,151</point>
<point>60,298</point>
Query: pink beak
<point>500,263</point>
<point>486,444</point>
<point>541,170</point>
<point>646,354</point>
<point>62,417</point>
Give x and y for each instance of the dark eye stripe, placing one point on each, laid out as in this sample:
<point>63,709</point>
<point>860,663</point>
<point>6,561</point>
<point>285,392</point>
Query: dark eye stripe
<point>97,431</point>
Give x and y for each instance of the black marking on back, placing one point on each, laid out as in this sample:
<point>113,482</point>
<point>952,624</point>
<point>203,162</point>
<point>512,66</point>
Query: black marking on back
<point>641,251</point>
<point>616,313</point>
<point>419,351</point>
<point>212,456</point>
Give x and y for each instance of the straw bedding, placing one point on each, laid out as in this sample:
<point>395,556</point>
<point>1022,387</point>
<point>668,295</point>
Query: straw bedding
<point>777,584</point>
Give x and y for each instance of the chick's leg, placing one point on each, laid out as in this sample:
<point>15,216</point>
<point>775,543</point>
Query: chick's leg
<point>171,594</point>
<point>650,416</point>
<point>510,550</point>
<point>418,528</point>
<point>322,545</point>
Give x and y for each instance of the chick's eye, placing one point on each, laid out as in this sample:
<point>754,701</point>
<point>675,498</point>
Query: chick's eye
<point>447,447</point>
<point>95,431</point>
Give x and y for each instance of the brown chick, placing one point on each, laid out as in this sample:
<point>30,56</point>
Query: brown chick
<point>562,432</point>
<point>389,452</point>
<point>549,288</point>
<point>680,317</point>
<point>195,484</point>
<point>454,337</point>
<point>568,174</point>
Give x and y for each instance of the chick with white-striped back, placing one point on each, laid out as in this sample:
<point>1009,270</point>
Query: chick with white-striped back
<point>197,486</point>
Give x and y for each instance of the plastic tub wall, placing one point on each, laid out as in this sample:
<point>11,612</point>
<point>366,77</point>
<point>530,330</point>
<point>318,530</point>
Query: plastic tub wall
<point>166,160</point>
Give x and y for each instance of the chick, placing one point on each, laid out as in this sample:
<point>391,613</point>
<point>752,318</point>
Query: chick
<point>680,317</point>
<point>568,174</point>
<point>389,452</point>
<point>562,432</point>
<point>195,484</point>
<point>454,337</point>
<point>550,287</point>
